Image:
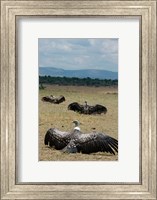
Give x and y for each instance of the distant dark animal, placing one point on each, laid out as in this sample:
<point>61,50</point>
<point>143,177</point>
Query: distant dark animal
<point>87,109</point>
<point>53,99</point>
<point>76,141</point>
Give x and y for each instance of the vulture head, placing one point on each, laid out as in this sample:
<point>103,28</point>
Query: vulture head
<point>76,123</point>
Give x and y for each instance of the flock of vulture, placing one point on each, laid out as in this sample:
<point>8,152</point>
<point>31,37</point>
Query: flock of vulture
<point>76,107</point>
<point>76,141</point>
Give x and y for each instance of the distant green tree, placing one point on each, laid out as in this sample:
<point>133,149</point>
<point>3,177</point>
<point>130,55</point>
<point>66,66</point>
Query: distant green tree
<point>76,81</point>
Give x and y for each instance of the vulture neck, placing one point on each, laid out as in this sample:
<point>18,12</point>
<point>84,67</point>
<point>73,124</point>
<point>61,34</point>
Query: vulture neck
<point>77,128</point>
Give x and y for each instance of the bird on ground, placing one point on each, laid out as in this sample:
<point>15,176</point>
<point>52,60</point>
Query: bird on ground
<point>53,99</point>
<point>76,141</point>
<point>87,109</point>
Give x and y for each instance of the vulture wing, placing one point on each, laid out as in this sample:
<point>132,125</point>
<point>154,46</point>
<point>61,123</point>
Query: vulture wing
<point>91,143</point>
<point>57,139</point>
<point>59,99</point>
<point>47,99</point>
<point>97,109</point>
<point>76,107</point>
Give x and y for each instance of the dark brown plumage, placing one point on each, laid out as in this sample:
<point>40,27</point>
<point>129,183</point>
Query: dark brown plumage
<point>76,141</point>
<point>87,109</point>
<point>53,99</point>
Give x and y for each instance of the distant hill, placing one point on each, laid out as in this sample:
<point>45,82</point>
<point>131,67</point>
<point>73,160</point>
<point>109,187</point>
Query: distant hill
<point>92,73</point>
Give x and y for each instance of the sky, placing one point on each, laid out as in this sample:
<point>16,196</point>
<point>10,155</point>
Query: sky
<point>81,53</point>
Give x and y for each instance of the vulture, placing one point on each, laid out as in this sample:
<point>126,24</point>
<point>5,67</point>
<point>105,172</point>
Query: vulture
<point>53,99</point>
<point>87,109</point>
<point>78,142</point>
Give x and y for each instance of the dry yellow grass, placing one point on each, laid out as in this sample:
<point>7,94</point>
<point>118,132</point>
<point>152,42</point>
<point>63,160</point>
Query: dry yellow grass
<point>52,115</point>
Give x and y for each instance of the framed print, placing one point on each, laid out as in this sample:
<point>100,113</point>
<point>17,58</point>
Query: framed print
<point>78,99</point>
<point>50,142</point>
<point>81,82</point>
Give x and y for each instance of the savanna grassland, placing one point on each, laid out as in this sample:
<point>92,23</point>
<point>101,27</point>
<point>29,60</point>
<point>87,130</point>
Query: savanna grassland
<point>58,116</point>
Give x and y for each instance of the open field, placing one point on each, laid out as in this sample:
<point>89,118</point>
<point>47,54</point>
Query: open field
<point>57,115</point>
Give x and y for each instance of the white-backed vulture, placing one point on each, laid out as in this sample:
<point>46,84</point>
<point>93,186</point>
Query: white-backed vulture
<point>87,109</point>
<point>53,99</point>
<point>76,141</point>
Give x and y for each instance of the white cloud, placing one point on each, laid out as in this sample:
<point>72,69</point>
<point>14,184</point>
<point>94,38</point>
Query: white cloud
<point>79,53</point>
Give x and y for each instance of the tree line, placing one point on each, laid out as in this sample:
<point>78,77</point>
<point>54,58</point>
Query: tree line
<point>77,81</point>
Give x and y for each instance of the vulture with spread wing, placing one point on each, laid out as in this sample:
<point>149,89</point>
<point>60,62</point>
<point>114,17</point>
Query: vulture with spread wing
<point>76,141</point>
<point>53,99</point>
<point>87,109</point>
